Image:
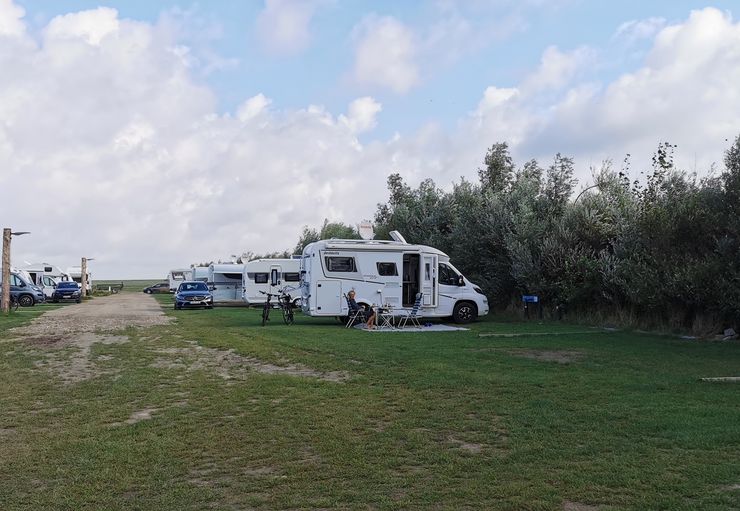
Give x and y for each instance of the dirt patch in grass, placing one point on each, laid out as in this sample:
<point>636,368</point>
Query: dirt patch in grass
<point>466,446</point>
<point>558,356</point>
<point>578,506</point>
<point>231,365</point>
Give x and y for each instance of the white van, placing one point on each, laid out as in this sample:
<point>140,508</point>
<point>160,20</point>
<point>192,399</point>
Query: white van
<point>46,276</point>
<point>270,275</point>
<point>386,272</point>
<point>178,276</point>
<point>200,273</point>
<point>225,283</point>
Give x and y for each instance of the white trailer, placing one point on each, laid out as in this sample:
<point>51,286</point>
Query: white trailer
<point>386,272</point>
<point>75,273</point>
<point>46,276</point>
<point>200,273</point>
<point>225,282</point>
<point>270,275</point>
<point>178,276</point>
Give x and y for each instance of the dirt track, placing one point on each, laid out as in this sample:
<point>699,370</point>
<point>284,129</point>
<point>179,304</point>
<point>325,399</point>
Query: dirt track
<point>103,314</point>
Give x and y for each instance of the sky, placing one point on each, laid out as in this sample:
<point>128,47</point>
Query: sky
<point>151,135</point>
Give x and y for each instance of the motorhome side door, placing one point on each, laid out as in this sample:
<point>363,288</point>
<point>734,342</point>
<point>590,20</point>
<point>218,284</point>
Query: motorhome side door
<point>429,280</point>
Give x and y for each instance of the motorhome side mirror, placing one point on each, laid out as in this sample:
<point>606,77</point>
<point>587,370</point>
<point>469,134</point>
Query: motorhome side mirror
<point>460,281</point>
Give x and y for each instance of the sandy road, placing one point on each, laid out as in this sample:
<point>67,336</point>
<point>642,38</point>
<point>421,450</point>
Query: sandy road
<point>103,314</point>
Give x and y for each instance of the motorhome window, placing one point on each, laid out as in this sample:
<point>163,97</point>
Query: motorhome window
<point>261,278</point>
<point>387,269</point>
<point>447,275</point>
<point>291,277</point>
<point>48,269</point>
<point>341,264</point>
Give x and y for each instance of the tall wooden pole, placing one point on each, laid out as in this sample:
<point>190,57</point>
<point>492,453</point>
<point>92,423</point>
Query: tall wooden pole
<point>6,271</point>
<point>83,279</point>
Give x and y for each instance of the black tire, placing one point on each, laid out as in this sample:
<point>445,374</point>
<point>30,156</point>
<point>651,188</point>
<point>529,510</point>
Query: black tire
<point>297,303</point>
<point>209,306</point>
<point>26,301</point>
<point>288,315</point>
<point>177,308</point>
<point>147,291</point>
<point>265,315</point>
<point>78,301</point>
<point>464,312</point>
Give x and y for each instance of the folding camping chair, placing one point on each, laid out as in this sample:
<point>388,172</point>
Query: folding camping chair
<point>356,313</point>
<point>413,315</point>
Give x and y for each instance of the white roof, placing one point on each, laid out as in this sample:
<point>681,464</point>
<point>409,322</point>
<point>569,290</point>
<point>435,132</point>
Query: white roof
<point>226,268</point>
<point>370,245</point>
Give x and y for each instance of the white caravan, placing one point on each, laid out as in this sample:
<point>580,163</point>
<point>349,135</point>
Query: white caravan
<point>386,272</point>
<point>178,276</point>
<point>200,273</point>
<point>270,275</point>
<point>46,276</point>
<point>225,282</point>
<point>75,273</point>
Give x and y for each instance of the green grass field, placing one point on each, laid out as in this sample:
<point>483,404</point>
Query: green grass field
<point>584,420</point>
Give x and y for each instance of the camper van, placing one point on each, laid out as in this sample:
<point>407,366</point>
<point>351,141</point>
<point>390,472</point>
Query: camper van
<point>75,273</point>
<point>270,275</point>
<point>200,273</point>
<point>46,276</point>
<point>178,276</point>
<point>386,273</point>
<point>26,292</point>
<point>225,282</point>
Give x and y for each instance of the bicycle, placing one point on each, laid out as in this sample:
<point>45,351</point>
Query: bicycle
<point>286,305</point>
<point>266,307</point>
<point>14,303</point>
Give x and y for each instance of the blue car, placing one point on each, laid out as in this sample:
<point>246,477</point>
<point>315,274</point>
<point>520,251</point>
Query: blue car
<point>193,294</point>
<point>66,291</point>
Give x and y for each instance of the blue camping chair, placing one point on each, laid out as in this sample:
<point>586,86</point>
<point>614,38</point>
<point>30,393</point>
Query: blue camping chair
<point>356,313</point>
<point>413,315</point>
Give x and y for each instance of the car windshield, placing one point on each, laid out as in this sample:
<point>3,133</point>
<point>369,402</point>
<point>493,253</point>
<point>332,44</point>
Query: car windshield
<point>193,286</point>
<point>67,285</point>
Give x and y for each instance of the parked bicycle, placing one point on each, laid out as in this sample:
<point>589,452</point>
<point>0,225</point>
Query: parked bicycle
<point>286,305</point>
<point>266,307</point>
<point>14,303</point>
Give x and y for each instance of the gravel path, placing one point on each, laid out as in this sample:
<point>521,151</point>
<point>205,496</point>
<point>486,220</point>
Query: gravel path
<point>102,314</point>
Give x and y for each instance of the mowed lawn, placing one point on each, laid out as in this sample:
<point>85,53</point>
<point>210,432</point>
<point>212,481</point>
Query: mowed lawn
<point>315,416</point>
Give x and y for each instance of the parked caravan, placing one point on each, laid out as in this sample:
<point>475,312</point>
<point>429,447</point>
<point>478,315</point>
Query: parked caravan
<point>75,273</point>
<point>270,275</point>
<point>225,282</point>
<point>386,272</point>
<point>178,276</point>
<point>200,273</point>
<point>46,276</point>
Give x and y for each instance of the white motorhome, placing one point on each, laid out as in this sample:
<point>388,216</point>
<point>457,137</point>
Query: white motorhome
<point>386,272</point>
<point>46,276</point>
<point>75,273</point>
<point>200,273</point>
<point>225,282</point>
<point>178,276</point>
<point>270,275</point>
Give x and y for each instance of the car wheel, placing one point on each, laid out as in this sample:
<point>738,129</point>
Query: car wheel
<point>464,312</point>
<point>25,301</point>
<point>148,291</point>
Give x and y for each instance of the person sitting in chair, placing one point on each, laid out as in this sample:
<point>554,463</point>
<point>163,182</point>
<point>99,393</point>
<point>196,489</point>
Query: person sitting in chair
<point>369,312</point>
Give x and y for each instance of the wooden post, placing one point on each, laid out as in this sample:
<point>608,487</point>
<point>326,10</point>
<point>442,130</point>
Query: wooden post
<point>6,271</point>
<point>83,278</point>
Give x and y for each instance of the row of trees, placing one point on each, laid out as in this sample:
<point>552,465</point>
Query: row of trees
<point>661,251</point>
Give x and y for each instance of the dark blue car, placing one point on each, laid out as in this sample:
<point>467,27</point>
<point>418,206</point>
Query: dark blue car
<point>193,294</point>
<point>67,291</point>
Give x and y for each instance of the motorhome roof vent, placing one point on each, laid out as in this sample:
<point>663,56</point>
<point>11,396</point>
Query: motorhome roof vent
<point>397,236</point>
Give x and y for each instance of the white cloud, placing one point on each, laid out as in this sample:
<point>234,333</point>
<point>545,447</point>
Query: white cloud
<point>637,30</point>
<point>92,26</point>
<point>253,107</point>
<point>283,26</point>
<point>558,68</point>
<point>361,115</point>
<point>11,19</point>
<point>385,54</point>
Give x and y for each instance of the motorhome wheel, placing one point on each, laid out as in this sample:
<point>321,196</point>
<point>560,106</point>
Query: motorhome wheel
<point>464,312</point>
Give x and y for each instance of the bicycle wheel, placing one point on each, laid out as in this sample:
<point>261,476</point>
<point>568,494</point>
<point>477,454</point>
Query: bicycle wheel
<point>287,315</point>
<point>265,314</point>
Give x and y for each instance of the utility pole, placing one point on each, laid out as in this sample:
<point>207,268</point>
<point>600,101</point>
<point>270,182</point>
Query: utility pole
<point>83,277</point>
<point>6,271</point>
<point>7,235</point>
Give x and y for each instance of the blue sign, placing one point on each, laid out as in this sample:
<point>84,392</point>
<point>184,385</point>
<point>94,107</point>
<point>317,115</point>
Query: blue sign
<point>530,298</point>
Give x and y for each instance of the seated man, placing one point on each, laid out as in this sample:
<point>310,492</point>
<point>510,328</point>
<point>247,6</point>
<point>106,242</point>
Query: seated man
<point>368,314</point>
